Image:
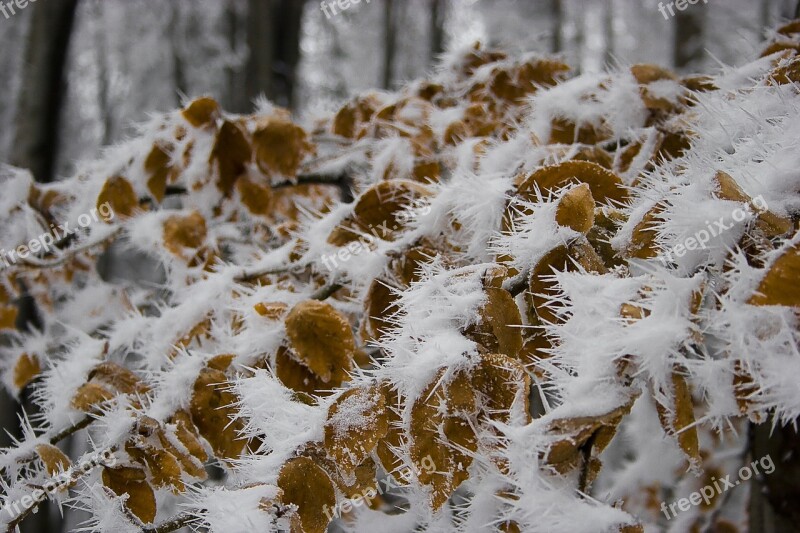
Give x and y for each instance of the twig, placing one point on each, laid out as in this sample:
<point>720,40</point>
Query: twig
<point>586,450</point>
<point>74,428</point>
<point>70,252</point>
<point>326,291</point>
<point>518,283</point>
<point>173,524</point>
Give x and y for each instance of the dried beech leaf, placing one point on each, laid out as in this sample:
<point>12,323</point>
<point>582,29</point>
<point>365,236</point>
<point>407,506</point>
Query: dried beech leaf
<point>308,487</point>
<point>500,326</point>
<point>576,209</point>
<point>394,435</point>
<point>541,289</point>
<point>441,438</point>
<point>357,421</point>
<point>297,376</point>
<point>280,146</point>
<point>378,210</point>
<point>379,304</point>
<point>677,418</point>
<point>118,193</point>
<point>90,395</point>
<point>118,378</point>
<point>271,310</point>
<point>188,436</point>
<point>8,316</point>
<point>131,482</point>
<point>181,232</point>
<point>54,460</point>
<point>202,112</point>
<point>643,239</point>
<point>256,197</point>
<point>157,166</point>
<point>231,153</point>
<point>780,285</point>
<point>322,339</point>
<point>503,382</point>
<point>604,184</point>
<point>214,414</point>
<point>25,370</point>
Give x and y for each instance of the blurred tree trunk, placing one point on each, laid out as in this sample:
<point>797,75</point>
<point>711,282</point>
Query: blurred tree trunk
<point>273,39</point>
<point>774,497</point>
<point>389,43</point>
<point>609,30</point>
<point>557,22</point>
<point>765,13</point>
<point>437,29</point>
<point>689,40</point>
<point>43,86</point>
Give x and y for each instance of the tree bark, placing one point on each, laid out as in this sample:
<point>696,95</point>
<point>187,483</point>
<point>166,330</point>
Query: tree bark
<point>609,30</point>
<point>437,29</point>
<point>689,37</point>
<point>557,22</point>
<point>43,87</point>
<point>389,44</point>
<point>273,39</point>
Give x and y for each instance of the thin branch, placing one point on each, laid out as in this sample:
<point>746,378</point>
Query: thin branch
<point>74,428</point>
<point>326,291</point>
<point>70,252</point>
<point>174,524</point>
<point>517,284</point>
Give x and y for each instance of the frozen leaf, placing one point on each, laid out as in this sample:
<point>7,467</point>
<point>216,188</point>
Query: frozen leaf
<point>307,486</point>
<point>129,481</point>
<point>322,339</point>
<point>118,193</point>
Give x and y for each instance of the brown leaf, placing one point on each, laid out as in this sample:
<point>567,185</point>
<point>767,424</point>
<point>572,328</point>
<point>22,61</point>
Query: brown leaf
<point>500,325</point>
<point>214,414</point>
<point>604,184</point>
<point>157,167</point>
<point>308,487</point>
<point>576,209</point>
<point>322,339</point>
<point>502,381</point>
<point>377,211</point>
<point>280,146</point>
<point>780,284</point>
<point>131,481</point>
<point>231,153</point>
<point>25,370</point>
<point>118,378</point>
<point>90,395</point>
<point>677,417</point>
<point>202,112</point>
<point>182,232</point>
<point>118,193</point>
<point>256,197</point>
<point>357,421</point>
<point>54,460</point>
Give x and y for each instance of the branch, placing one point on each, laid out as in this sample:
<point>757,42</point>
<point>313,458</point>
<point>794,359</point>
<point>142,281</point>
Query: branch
<point>517,284</point>
<point>70,252</point>
<point>326,291</point>
<point>174,524</point>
